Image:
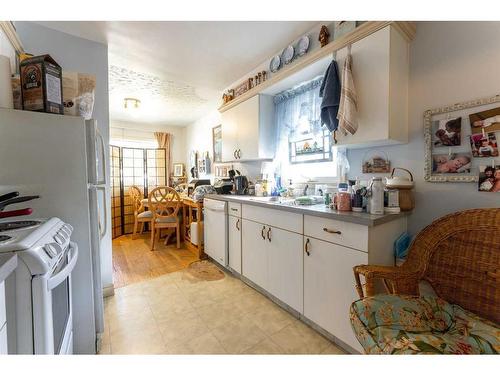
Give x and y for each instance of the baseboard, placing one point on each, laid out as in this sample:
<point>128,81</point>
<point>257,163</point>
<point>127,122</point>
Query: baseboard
<point>108,291</point>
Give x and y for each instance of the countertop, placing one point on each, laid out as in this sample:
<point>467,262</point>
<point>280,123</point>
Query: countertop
<point>319,210</point>
<point>8,263</point>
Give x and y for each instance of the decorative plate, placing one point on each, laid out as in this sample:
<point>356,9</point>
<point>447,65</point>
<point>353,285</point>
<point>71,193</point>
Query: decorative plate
<point>275,64</point>
<point>303,45</point>
<point>287,54</point>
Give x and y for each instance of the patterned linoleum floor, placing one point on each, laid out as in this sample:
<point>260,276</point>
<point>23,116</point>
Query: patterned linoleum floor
<point>172,314</point>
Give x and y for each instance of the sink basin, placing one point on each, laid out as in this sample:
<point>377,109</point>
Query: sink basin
<point>265,199</point>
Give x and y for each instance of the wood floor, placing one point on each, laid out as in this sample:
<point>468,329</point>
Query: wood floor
<point>133,261</point>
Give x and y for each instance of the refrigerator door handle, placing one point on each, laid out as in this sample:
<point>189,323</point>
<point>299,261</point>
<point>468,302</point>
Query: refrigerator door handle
<point>102,232</point>
<point>103,151</point>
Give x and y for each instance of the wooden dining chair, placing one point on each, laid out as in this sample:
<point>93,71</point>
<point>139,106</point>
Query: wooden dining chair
<point>140,214</point>
<point>165,203</point>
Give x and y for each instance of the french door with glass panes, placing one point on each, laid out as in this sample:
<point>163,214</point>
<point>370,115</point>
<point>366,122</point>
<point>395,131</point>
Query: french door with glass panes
<point>143,168</point>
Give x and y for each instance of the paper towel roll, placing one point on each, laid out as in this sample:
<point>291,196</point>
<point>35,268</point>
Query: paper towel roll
<point>6,99</point>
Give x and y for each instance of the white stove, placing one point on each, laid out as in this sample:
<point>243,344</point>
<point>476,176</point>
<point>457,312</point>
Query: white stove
<point>39,311</point>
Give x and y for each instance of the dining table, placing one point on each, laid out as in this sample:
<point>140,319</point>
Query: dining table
<point>192,212</point>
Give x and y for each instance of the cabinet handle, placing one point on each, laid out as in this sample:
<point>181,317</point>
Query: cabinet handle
<point>332,231</point>
<point>234,154</point>
<point>238,224</point>
<point>269,234</point>
<point>234,209</point>
<point>306,247</point>
<point>262,232</point>
<point>239,153</point>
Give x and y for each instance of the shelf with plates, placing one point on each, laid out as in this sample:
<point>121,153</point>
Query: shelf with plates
<point>315,60</point>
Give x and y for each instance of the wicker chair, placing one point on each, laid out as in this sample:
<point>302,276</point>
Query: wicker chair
<point>459,256</point>
<point>165,204</point>
<point>140,214</point>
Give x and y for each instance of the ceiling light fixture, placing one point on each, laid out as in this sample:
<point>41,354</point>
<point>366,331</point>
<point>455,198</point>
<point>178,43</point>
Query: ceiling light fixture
<point>131,103</point>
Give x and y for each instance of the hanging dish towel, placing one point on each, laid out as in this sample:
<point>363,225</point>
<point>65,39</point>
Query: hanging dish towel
<point>330,92</point>
<point>348,108</point>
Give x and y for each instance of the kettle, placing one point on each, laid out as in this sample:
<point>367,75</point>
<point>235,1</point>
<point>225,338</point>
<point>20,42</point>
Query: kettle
<point>399,182</point>
<point>405,186</point>
<point>240,185</point>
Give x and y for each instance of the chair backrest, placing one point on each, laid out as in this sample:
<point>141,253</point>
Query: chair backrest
<point>136,196</point>
<point>459,255</point>
<point>164,201</point>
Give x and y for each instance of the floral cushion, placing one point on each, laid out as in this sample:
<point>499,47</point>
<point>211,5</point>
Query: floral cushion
<point>391,324</point>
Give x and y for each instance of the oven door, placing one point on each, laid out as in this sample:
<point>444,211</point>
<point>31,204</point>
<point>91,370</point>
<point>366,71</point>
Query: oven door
<point>52,307</point>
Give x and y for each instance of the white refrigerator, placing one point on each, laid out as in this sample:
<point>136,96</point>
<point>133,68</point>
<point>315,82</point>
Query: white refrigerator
<point>62,159</point>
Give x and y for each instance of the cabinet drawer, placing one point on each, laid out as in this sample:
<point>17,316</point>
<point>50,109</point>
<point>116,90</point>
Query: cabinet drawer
<point>335,231</point>
<point>2,304</point>
<point>234,209</point>
<point>276,218</point>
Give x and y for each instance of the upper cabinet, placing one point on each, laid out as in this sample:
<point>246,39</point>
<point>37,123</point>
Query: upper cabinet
<point>380,70</point>
<point>247,130</point>
<point>380,52</point>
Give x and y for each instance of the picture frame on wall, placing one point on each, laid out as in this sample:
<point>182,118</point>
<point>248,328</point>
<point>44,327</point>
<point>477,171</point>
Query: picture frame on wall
<point>178,170</point>
<point>217,143</point>
<point>453,161</point>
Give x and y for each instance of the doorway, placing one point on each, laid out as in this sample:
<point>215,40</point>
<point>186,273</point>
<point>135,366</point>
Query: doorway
<point>133,261</point>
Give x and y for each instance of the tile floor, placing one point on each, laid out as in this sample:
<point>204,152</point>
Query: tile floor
<point>171,314</point>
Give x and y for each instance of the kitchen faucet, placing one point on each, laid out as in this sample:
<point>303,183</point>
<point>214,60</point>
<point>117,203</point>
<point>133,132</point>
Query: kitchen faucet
<point>305,189</point>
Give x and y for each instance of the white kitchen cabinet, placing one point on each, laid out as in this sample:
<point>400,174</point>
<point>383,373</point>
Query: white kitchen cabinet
<point>254,253</point>
<point>272,259</point>
<point>234,243</point>
<point>380,66</point>
<point>329,286</point>
<point>285,266</point>
<point>247,130</point>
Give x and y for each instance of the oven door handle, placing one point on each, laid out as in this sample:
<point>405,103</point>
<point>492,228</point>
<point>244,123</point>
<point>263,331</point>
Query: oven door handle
<point>64,273</point>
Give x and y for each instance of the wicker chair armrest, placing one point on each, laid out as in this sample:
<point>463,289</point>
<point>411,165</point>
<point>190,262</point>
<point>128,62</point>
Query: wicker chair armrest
<point>395,279</point>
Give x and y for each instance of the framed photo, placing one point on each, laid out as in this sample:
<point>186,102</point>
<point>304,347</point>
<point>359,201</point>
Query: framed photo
<point>447,132</point>
<point>457,165</point>
<point>453,163</point>
<point>178,170</point>
<point>484,145</point>
<point>217,143</point>
<point>485,121</point>
<point>489,179</point>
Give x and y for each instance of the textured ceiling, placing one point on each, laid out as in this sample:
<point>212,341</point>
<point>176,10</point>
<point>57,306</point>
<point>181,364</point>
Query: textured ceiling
<point>162,100</point>
<point>179,69</point>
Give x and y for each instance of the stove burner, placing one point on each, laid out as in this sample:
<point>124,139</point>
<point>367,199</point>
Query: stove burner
<point>4,238</point>
<point>12,225</point>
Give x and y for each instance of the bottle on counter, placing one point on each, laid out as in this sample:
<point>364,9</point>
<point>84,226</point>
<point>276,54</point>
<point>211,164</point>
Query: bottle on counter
<point>376,196</point>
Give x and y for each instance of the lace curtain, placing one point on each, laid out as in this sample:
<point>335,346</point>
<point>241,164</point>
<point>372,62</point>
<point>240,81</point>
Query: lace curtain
<point>297,113</point>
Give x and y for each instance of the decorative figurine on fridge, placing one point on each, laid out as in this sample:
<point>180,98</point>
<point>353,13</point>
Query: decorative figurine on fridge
<point>324,35</point>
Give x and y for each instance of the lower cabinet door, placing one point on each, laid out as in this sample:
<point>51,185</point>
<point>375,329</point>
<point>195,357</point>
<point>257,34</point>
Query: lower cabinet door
<point>285,266</point>
<point>254,253</point>
<point>234,234</point>
<point>329,287</point>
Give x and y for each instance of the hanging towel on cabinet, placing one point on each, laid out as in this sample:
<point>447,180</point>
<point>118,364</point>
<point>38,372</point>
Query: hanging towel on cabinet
<point>330,92</point>
<point>348,108</point>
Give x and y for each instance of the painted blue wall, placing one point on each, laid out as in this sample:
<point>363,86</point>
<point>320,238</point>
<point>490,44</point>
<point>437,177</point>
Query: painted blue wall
<point>450,62</point>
